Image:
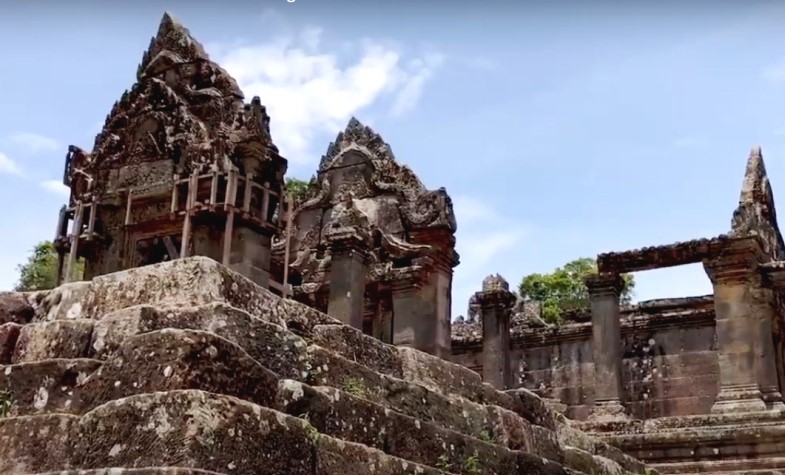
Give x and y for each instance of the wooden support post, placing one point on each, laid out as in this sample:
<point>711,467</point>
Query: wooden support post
<point>91,219</point>
<point>287,244</point>
<point>248,189</point>
<point>213,190</point>
<point>176,183</point>
<point>265,201</point>
<point>228,232</point>
<point>230,201</point>
<point>128,207</point>
<point>170,249</point>
<point>77,230</point>
<point>189,201</point>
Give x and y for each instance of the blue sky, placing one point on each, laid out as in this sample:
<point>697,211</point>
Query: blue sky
<point>559,131</point>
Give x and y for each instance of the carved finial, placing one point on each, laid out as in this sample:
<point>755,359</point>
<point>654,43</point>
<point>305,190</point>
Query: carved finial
<point>495,282</point>
<point>756,213</point>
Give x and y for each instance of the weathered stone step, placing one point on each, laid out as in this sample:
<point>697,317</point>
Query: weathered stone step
<point>723,466</point>
<point>56,339</point>
<point>136,471</point>
<point>188,282</point>
<point>193,430</point>
<point>289,356</point>
<point>47,386</point>
<point>572,437</point>
<point>269,343</point>
<point>352,418</point>
<point>155,361</point>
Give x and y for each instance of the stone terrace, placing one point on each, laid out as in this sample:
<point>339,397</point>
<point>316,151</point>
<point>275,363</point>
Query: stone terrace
<point>188,367</point>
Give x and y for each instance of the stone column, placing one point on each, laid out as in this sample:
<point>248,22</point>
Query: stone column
<point>413,299</point>
<point>347,279</point>
<point>738,327</point>
<point>604,292</point>
<point>496,306</point>
<point>768,382</point>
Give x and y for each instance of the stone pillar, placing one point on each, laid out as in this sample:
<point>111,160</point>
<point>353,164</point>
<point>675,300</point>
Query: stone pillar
<point>768,382</point>
<point>604,292</point>
<point>496,306</point>
<point>415,322</point>
<point>347,279</point>
<point>738,327</point>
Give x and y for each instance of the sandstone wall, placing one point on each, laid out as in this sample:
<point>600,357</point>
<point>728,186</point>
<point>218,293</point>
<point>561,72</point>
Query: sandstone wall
<point>670,365</point>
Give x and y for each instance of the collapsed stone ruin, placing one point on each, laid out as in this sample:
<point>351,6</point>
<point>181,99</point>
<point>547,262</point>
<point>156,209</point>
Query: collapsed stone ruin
<point>199,341</point>
<point>689,385</point>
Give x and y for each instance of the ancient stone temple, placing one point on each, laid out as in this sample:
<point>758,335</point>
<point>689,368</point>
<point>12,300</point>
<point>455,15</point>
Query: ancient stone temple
<point>371,246</point>
<point>691,385</point>
<point>182,167</point>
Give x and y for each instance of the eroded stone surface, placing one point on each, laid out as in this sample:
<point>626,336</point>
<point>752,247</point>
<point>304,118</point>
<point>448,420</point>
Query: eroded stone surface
<point>173,359</point>
<point>55,339</point>
<point>48,386</point>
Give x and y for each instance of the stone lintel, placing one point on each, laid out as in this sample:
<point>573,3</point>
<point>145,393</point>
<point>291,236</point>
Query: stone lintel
<point>406,278</point>
<point>658,257</point>
<point>345,240</point>
<point>492,299</point>
<point>443,242</point>
<point>738,261</point>
<point>604,283</point>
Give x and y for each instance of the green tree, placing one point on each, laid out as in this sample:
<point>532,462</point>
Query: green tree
<point>563,291</point>
<point>298,189</point>
<point>40,270</point>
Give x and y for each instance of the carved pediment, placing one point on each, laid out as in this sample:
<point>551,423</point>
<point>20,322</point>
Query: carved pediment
<point>187,109</point>
<point>756,213</point>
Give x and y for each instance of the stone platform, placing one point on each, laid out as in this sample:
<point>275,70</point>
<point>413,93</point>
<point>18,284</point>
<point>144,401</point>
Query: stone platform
<point>187,367</point>
<point>743,443</point>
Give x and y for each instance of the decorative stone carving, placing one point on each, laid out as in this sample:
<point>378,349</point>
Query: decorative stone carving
<point>184,116</point>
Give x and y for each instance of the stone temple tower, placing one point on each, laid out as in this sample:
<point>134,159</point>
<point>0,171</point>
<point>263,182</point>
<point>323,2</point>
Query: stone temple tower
<point>372,246</point>
<point>182,167</point>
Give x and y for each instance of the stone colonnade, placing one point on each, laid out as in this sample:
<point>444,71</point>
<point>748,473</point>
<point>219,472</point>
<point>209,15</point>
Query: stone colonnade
<point>745,307</point>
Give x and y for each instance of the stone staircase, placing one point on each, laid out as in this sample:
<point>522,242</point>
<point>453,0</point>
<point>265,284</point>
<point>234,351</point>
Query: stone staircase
<point>188,368</point>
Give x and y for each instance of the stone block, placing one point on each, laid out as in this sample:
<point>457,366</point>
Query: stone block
<point>338,457</point>
<point>34,444</point>
<point>342,415</point>
<point>15,307</point>
<point>268,343</point>
<point>529,406</point>
<point>9,334</point>
<point>357,346</point>
<point>414,400</point>
<point>194,429</point>
<point>54,339</point>
<point>48,386</point>
<point>170,359</point>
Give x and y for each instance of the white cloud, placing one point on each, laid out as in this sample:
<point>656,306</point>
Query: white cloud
<point>309,90</point>
<point>414,81</point>
<point>57,187</point>
<point>470,210</point>
<point>34,143</point>
<point>8,166</point>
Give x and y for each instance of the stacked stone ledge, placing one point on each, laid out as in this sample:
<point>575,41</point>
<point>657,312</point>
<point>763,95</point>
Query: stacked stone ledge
<point>188,367</point>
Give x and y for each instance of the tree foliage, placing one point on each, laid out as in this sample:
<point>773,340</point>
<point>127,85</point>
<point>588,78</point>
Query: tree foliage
<point>40,270</point>
<point>564,292</point>
<point>298,189</point>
